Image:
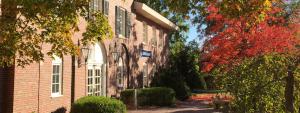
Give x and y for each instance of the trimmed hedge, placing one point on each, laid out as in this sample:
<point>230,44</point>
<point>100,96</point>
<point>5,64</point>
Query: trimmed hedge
<point>156,96</point>
<point>97,104</point>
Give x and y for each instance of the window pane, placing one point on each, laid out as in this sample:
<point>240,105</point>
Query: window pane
<point>53,88</point>
<point>96,4</point>
<point>90,73</point>
<point>123,23</point>
<point>57,79</point>
<point>57,88</point>
<point>53,79</point>
<point>57,69</point>
<point>54,67</point>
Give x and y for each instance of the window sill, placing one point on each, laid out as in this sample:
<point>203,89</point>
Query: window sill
<point>121,37</point>
<point>144,43</point>
<point>56,96</point>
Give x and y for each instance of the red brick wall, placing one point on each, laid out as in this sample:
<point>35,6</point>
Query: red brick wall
<point>32,84</point>
<point>32,90</point>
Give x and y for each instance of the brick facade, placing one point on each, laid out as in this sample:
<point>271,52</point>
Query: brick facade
<point>29,89</point>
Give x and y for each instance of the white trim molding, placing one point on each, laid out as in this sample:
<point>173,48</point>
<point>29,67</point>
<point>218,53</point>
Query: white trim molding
<point>149,13</point>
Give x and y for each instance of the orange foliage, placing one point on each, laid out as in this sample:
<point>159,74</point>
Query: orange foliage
<point>234,39</point>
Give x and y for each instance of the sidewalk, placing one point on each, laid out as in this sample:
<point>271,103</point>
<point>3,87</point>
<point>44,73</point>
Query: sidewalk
<point>181,107</point>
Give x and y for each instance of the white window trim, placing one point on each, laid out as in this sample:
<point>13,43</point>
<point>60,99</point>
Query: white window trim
<point>120,35</point>
<point>57,61</point>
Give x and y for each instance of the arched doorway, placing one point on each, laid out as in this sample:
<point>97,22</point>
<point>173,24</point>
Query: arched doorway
<point>126,70</point>
<point>96,70</point>
<point>120,74</point>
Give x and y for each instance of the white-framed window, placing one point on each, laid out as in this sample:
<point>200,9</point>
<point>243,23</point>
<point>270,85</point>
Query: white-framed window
<point>123,22</point>
<point>100,6</point>
<point>94,5</point>
<point>56,84</point>
<point>145,75</point>
<point>145,33</point>
<point>106,7</point>
<point>154,38</point>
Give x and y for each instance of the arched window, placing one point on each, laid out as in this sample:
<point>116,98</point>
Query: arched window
<point>56,84</point>
<point>120,73</point>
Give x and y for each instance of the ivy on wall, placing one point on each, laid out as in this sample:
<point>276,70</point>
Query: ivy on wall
<point>98,29</point>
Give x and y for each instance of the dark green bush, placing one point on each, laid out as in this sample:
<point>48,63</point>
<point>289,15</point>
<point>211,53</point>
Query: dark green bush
<point>157,96</point>
<point>97,104</point>
<point>171,79</point>
<point>127,96</point>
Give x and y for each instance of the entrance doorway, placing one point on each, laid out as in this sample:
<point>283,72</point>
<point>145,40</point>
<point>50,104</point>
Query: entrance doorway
<point>96,71</point>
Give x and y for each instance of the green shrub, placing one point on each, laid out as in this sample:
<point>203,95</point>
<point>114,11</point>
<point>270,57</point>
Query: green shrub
<point>97,104</point>
<point>258,85</point>
<point>157,96</point>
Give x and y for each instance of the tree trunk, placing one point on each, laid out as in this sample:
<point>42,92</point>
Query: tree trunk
<point>289,92</point>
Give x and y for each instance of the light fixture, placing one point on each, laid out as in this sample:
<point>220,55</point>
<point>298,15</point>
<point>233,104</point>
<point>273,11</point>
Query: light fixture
<point>85,53</point>
<point>115,53</point>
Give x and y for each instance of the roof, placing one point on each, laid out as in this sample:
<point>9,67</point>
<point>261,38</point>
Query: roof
<point>151,14</point>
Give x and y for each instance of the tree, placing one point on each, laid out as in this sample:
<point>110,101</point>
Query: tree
<point>258,84</point>
<point>26,25</point>
<point>234,40</point>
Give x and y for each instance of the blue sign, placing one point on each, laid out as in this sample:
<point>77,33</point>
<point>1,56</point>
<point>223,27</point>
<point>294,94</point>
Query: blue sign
<point>145,53</point>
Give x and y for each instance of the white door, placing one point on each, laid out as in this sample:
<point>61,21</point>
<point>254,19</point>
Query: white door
<point>94,85</point>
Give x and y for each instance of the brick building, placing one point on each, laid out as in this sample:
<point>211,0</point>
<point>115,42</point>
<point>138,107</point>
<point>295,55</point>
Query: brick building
<point>129,60</point>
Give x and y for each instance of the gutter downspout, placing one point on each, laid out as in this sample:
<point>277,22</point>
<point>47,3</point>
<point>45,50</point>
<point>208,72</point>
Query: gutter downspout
<point>39,83</point>
<point>73,80</point>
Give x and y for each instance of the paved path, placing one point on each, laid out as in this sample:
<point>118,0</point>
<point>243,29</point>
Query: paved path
<point>181,107</point>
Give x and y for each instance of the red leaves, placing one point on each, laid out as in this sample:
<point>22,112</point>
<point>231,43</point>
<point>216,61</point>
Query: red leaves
<point>239,41</point>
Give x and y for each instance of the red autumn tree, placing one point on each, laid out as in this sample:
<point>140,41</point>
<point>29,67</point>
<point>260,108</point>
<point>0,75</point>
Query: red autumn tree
<point>234,39</point>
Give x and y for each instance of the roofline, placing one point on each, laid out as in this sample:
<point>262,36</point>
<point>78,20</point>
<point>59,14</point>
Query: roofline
<point>151,14</point>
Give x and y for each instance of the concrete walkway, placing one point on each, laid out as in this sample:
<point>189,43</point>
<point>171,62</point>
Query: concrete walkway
<point>181,107</point>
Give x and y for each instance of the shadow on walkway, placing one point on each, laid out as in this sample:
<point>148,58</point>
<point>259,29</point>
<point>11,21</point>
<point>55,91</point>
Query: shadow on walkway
<point>181,107</point>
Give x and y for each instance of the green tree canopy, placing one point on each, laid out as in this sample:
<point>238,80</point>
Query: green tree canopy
<point>26,25</point>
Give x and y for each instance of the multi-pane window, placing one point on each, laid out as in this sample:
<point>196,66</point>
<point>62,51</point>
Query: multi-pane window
<point>90,82</point>
<point>154,38</point>
<point>145,32</point>
<point>106,7</point>
<point>123,22</point>
<point>56,77</point>
<point>161,38</point>
<point>95,81</point>
<point>99,6</point>
<point>145,75</point>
